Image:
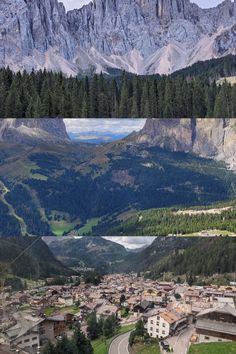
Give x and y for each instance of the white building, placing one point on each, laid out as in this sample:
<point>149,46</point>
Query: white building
<point>165,323</point>
<point>25,334</point>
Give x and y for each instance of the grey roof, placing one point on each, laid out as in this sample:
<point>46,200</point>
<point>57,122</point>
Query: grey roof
<point>227,309</point>
<point>24,324</point>
<point>216,326</point>
<point>56,318</point>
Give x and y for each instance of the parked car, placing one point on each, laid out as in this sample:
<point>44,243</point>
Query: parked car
<point>165,345</point>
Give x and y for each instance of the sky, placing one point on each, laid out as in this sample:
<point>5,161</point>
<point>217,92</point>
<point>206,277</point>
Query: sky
<point>92,128</point>
<point>132,242</point>
<point>73,4</point>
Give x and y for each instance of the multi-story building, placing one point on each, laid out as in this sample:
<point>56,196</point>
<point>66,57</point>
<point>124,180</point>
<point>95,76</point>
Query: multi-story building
<point>216,325</point>
<point>25,334</point>
<point>166,323</point>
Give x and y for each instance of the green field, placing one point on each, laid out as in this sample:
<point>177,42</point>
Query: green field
<point>99,346</point>
<point>49,311</point>
<point>213,348</point>
<point>61,223</point>
<point>88,226</point>
<point>60,227</point>
<point>140,348</point>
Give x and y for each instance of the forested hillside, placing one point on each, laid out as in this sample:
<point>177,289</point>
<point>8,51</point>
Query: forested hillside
<point>160,222</point>
<point>206,257</point>
<point>189,93</point>
<point>36,263</point>
<point>43,188</point>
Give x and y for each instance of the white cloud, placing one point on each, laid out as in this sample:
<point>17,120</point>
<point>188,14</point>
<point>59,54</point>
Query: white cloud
<point>113,126</point>
<point>131,242</point>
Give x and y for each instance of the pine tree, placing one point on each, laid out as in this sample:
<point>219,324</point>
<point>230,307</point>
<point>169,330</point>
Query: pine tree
<point>168,100</point>
<point>199,105</point>
<point>82,343</point>
<point>233,100</point>
<point>222,104</point>
<point>145,102</point>
<point>124,99</point>
<point>49,349</point>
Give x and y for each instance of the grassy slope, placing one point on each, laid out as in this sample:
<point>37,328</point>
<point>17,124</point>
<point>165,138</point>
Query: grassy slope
<point>101,345</point>
<point>213,348</point>
<point>12,212</point>
<point>139,348</point>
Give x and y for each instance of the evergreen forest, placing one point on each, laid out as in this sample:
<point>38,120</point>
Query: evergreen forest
<point>191,92</point>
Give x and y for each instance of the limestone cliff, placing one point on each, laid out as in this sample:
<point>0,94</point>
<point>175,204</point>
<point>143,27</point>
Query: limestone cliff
<point>33,131</point>
<point>207,137</point>
<point>140,36</point>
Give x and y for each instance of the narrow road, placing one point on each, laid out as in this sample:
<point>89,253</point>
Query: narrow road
<point>180,343</point>
<point>120,345</point>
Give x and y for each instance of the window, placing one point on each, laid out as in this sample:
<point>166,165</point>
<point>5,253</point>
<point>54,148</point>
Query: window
<point>151,321</point>
<point>207,338</point>
<point>151,328</point>
<point>163,332</point>
<point>26,341</point>
<point>34,338</point>
<point>163,325</point>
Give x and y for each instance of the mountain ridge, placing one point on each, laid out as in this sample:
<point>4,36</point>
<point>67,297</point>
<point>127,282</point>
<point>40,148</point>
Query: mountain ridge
<point>140,37</point>
<point>33,131</point>
<point>216,139</point>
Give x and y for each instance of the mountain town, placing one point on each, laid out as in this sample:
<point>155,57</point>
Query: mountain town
<point>171,317</point>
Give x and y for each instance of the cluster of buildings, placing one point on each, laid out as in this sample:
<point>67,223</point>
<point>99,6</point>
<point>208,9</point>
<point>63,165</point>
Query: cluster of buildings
<point>165,307</point>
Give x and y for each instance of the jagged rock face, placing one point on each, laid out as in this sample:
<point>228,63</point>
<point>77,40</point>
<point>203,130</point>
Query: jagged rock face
<point>210,138</point>
<point>33,131</point>
<point>140,36</point>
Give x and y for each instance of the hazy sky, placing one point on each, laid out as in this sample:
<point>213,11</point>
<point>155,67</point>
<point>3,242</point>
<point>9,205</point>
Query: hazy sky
<point>132,242</point>
<point>72,4</point>
<point>103,126</point>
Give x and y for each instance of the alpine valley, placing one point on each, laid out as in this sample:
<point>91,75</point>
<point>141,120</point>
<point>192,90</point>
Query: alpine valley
<point>174,176</point>
<point>142,37</point>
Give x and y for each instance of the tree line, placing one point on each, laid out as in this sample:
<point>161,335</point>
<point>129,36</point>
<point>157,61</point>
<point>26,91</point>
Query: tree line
<point>48,94</point>
<point>220,259</point>
<point>78,344</point>
<point>162,222</point>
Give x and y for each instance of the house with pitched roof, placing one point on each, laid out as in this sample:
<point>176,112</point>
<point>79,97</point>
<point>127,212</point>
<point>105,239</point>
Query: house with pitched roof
<point>166,323</point>
<point>25,334</point>
<point>216,324</point>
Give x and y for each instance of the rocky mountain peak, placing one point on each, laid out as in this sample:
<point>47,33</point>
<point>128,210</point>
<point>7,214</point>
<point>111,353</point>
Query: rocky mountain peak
<point>209,138</point>
<point>33,131</point>
<point>140,36</point>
